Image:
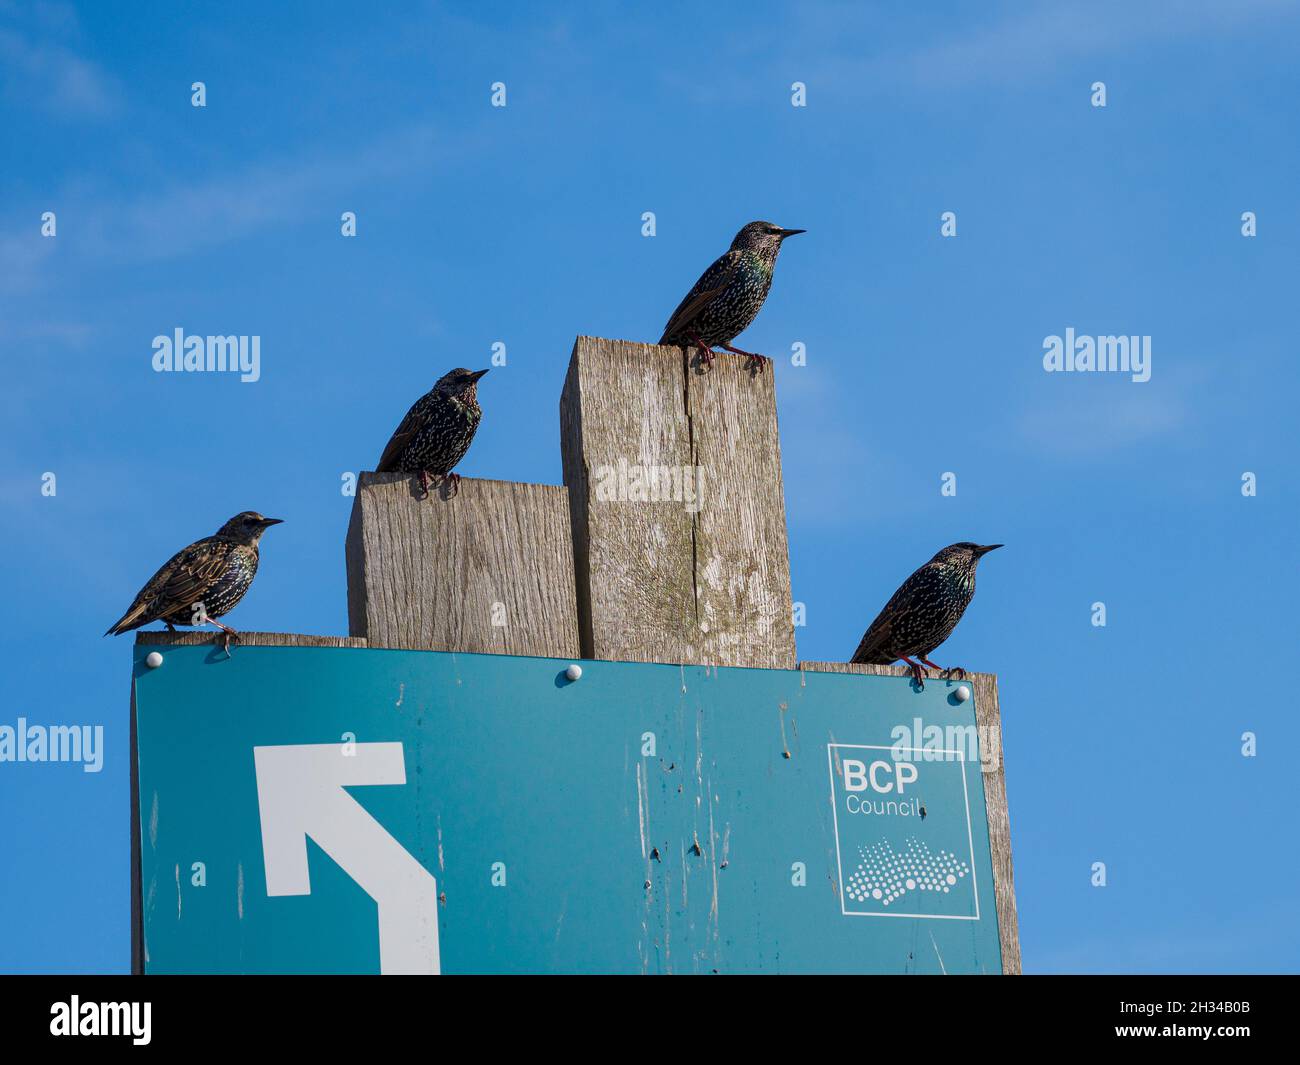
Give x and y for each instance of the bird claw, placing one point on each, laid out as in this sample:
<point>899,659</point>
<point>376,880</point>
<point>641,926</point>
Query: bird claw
<point>227,638</point>
<point>706,353</point>
<point>953,673</point>
<point>918,675</point>
<point>449,484</point>
<point>756,364</point>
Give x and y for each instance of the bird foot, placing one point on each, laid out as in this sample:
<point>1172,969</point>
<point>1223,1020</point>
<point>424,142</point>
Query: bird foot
<point>757,363</point>
<point>451,485</point>
<point>918,674</point>
<point>953,673</point>
<point>706,353</point>
<point>228,636</point>
<point>425,481</point>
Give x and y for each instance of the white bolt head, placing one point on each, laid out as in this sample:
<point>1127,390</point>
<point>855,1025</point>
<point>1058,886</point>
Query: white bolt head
<point>962,693</point>
<point>154,660</point>
<point>574,672</point>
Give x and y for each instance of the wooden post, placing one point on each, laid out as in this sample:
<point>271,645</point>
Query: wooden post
<point>988,719</point>
<point>200,637</point>
<point>488,569</point>
<point>679,535</point>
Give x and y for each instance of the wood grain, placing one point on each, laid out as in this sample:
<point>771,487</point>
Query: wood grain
<point>698,572</point>
<point>988,718</point>
<point>246,639</point>
<point>488,569</point>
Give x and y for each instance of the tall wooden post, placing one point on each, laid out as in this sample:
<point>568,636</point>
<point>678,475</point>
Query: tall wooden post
<point>679,535</point>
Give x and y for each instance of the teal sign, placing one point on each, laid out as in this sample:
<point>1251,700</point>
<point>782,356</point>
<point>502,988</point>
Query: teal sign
<point>318,810</point>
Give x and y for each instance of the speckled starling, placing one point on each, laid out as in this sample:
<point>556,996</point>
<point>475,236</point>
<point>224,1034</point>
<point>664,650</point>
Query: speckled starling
<point>729,295</point>
<point>924,611</point>
<point>202,582</point>
<point>437,430</point>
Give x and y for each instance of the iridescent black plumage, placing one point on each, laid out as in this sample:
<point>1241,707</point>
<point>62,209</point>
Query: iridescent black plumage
<point>202,582</point>
<point>437,430</point>
<point>729,294</point>
<point>924,611</point>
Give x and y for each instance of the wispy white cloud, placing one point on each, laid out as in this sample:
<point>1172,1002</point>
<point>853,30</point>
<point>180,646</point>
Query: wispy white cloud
<point>184,218</point>
<point>1016,43</point>
<point>1091,417</point>
<point>40,72</point>
<point>1087,415</point>
<point>1035,38</point>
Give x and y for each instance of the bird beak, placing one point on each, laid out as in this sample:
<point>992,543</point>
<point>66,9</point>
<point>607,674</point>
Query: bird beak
<point>985,550</point>
<point>475,376</point>
<point>791,232</point>
<point>268,522</point>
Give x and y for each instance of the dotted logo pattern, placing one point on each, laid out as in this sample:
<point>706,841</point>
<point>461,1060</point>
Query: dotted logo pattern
<point>883,874</point>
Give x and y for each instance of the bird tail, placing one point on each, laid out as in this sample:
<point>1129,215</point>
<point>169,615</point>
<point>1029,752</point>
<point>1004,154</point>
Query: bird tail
<point>132,619</point>
<point>868,655</point>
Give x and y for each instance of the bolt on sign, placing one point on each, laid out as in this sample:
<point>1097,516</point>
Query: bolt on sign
<point>327,809</point>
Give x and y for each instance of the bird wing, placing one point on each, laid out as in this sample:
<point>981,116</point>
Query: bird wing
<point>182,581</point>
<point>403,435</point>
<point>713,281</point>
<point>876,637</point>
<point>877,643</point>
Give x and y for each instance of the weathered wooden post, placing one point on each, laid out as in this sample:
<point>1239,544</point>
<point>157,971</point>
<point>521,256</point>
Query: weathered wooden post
<point>488,569</point>
<point>679,535</point>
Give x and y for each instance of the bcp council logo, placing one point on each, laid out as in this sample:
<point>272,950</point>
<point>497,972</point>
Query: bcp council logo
<point>903,837</point>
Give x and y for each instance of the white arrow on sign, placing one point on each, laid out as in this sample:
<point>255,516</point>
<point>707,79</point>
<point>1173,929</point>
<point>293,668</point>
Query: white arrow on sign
<point>300,794</point>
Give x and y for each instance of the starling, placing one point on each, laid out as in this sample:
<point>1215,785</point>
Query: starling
<point>924,611</point>
<point>437,430</point>
<point>729,295</point>
<point>202,582</point>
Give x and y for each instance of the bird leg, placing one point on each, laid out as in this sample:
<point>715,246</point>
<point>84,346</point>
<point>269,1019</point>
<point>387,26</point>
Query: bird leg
<point>452,481</point>
<point>425,480</point>
<point>227,635</point>
<point>946,674</point>
<point>758,363</point>
<point>706,352</point>
<point>170,626</point>
<point>918,672</point>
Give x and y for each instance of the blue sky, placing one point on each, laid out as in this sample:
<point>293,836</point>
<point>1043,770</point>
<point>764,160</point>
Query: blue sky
<point>523,225</point>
